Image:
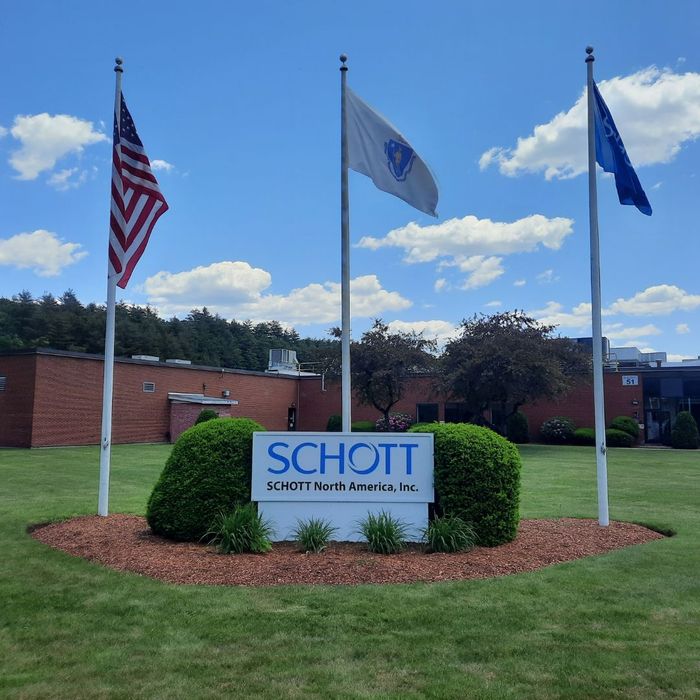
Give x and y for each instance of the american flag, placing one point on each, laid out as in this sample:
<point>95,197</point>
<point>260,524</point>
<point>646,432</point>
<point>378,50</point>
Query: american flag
<point>137,202</point>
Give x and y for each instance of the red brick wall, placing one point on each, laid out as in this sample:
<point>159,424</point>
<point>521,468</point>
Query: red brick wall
<point>317,405</point>
<point>184,415</point>
<point>68,404</point>
<point>578,405</point>
<point>17,401</point>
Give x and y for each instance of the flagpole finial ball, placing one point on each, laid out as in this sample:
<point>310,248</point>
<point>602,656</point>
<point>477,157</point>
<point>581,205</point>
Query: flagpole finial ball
<point>343,58</point>
<point>589,50</point>
<point>118,60</point>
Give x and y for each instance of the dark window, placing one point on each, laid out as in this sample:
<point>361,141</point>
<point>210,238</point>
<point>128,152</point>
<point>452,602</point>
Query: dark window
<point>456,413</point>
<point>427,412</point>
<point>3,383</point>
<point>672,388</point>
<point>149,387</point>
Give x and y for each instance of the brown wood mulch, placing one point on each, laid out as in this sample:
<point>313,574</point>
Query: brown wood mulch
<point>125,543</point>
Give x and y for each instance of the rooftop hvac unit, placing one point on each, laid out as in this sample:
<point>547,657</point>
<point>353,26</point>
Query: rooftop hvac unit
<point>283,359</point>
<point>179,362</point>
<point>148,358</point>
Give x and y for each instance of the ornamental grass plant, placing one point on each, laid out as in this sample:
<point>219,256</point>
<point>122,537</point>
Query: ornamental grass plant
<point>384,533</point>
<point>313,535</point>
<point>242,530</point>
<point>449,533</point>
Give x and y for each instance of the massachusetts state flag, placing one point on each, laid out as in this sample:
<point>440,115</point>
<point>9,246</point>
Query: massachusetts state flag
<point>612,157</point>
<point>137,202</point>
<point>378,150</point>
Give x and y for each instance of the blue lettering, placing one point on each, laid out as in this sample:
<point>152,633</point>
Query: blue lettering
<point>340,457</point>
<point>281,458</point>
<point>295,457</point>
<point>408,447</point>
<point>387,455</point>
<point>372,466</point>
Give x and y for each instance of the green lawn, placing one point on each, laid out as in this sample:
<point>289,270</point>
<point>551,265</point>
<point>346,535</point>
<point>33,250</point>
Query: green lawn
<point>622,625</point>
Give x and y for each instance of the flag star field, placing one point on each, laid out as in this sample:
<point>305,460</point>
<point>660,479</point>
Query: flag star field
<point>237,107</point>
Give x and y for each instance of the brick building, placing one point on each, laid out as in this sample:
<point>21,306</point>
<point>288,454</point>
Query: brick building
<point>50,397</point>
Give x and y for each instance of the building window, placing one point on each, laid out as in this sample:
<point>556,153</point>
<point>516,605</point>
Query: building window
<point>3,382</point>
<point>456,413</point>
<point>426,412</point>
<point>149,387</point>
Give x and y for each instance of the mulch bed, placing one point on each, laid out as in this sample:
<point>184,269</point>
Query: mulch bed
<point>125,543</point>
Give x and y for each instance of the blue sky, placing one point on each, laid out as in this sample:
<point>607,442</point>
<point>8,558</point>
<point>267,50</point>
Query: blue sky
<point>237,104</point>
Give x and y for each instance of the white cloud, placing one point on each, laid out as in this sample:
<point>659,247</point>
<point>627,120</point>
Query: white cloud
<point>441,331</point>
<point>440,284</point>
<point>577,320</point>
<point>519,283</point>
<point>682,328</point>
<point>46,139</point>
<point>547,277</point>
<point>657,111</point>
<point>236,290</point>
<point>67,179</point>
<point>40,250</point>
<point>3,131</point>
<point>495,304</point>
<point>466,243</point>
<point>162,165</point>
<point>657,186</point>
<point>661,299</point>
<point>482,270</point>
<point>619,334</point>
<point>679,358</point>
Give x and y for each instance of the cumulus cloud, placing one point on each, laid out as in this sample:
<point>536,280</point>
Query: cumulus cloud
<point>619,334</point>
<point>547,277</point>
<point>440,284</point>
<point>458,239</point>
<point>42,251</point>
<point>441,331</point>
<point>682,328</point>
<point>659,300</point>
<point>656,110</point>
<point>46,139</point>
<point>482,270</point>
<point>519,283</point>
<point>67,179</point>
<point>3,131</point>
<point>236,290</point>
<point>495,304</point>
<point>578,320</point>
<point>162,165</point>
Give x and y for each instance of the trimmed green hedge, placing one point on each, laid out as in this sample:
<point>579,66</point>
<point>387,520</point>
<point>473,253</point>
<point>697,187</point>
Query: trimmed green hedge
<point>362,426</point>
<point>477,478</point>
<point>208,472</point>
<point>684,435</point>
<point>618,438</point>
<point>584,436</point>
<point>206,414</point>
<point>517,429</point>
<point>627,425</point>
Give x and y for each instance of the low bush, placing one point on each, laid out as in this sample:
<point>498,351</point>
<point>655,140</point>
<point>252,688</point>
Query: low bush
<point>313,535</point>
<point>583,436</point>
<point>243,530</point>
<point>362,426</point>
<point>335,424</point>
<point>558,430</point>
<point>207,473</point>
<point>517,429</point>
<point>398,423</point>
<point>384,533</point>
<point>618,438</point>
<point>684,435</point>
<point>477,479</point>
<point>449,534</point>
<point>627,425</point>
<point>206,414</point>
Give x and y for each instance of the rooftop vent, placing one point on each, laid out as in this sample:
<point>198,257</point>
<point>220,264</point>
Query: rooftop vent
<point>179,362</point>
<point>148,358</point>
<point>283,361</point>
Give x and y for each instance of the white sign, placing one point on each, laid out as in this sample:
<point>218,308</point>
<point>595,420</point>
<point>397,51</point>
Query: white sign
<point>341,477</point>
<point>630,380</point>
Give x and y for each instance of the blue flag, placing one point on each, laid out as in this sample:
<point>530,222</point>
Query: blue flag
<point>612,157</point>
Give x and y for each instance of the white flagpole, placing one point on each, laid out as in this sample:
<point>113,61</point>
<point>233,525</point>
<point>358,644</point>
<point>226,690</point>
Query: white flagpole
<point>108,372</point>
<point>345,253</point>
<point>598,390</point>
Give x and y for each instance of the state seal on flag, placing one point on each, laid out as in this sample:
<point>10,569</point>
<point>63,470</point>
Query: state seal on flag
<point>399,158</point>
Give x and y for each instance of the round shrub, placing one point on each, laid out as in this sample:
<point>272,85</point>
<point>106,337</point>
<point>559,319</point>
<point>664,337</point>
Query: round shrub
<point>558,430</point>
<point>207,473</point>
<point>618,438</point>
<point>335,424</point>
<point>627,425</point>
<point>584,436</point>
<point>206,414</point>
<point>477,479</point>
<point>684,435</point>
<point>517,429</point>
<point>362,426</point>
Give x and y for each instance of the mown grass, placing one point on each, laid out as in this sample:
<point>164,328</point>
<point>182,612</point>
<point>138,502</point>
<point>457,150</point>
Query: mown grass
<point>622,625</point>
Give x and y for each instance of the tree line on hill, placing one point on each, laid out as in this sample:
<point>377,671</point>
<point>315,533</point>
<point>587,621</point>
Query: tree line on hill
<point>63,323</point>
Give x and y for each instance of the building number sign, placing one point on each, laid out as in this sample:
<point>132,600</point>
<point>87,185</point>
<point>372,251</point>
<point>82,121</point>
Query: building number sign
<point>630,380</point>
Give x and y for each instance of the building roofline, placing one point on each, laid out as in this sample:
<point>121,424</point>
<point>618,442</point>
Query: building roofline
<point>131,361</point>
